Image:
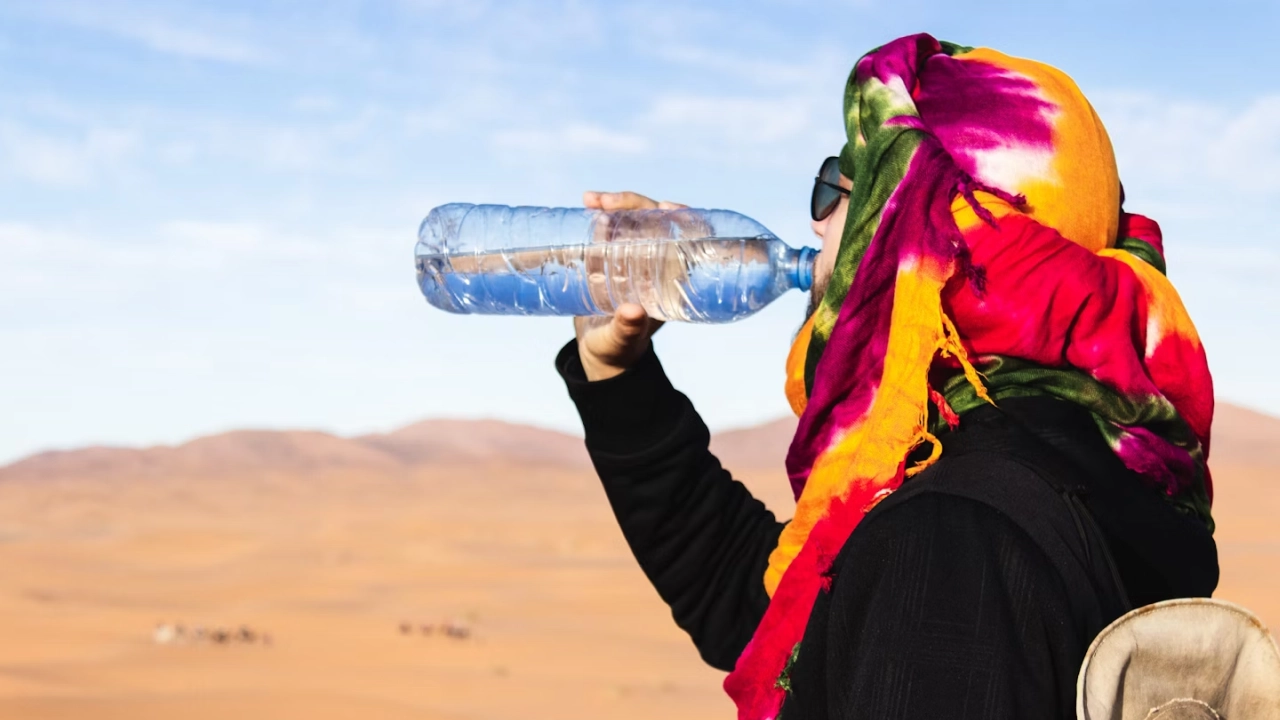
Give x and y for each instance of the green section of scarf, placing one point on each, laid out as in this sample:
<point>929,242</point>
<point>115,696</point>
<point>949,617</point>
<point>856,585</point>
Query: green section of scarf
<point>1007,377</point>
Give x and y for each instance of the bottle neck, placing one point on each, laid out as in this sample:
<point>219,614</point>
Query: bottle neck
<point>799,267</point>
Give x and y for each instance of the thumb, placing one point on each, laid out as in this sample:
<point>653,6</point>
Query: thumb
<point>630,322</point>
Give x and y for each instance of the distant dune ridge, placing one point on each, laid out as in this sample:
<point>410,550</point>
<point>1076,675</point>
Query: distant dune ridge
<point>333,544</point>
<point>1244,437</point>
<point>479,441</point>
<point>435,443</point>
<point>1241,437</point>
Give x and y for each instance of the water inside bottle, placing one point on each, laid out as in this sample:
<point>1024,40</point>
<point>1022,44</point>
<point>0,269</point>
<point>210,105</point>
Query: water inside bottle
<point>702,280</point>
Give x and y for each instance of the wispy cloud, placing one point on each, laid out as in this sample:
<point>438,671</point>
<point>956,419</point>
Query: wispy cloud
<point>187,42</point>
<point>1234,269</point>
<point>1175,142</point>
<point>740,131</point>
<point>73,158</point>
<point>43,261</point>
<point>823,66</point>
<point>744,121</point>
<point>195,36</point>
<point>573,138</point>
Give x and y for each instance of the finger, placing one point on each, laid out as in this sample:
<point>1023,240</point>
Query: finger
<point>631,321</point>
<point>626,201</point>
<point>667,205</point>
<point>591,199</point>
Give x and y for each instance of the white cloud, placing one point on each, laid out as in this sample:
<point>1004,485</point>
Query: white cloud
<point>740,46</point>
<point>738,120</point>
<point>70,159</point>
<point>315,103</point>
<point>187,42</point>
<point>575,138</point>
<point>1248,151</point>
<point>860,4</point>
<point>235,246</point>
<point>21,240</point>
<point>745,130</point>
<point>756,70</point>
<point>196,37</point>
<point>1233,271</point>
<point>30,254</point>
<point>1169,141</point>
<point>42,261</point>
<point>466,8</point>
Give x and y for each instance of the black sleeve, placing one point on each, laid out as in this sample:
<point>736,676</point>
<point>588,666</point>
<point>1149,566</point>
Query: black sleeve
<point>699,535</point>
<point>943,608</point>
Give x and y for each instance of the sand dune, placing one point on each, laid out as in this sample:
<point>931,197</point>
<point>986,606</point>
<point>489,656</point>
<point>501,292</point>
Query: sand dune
<point>331,543</point>
<point>1243,437</point>
<point>450,442</point>
<point>439,443</point>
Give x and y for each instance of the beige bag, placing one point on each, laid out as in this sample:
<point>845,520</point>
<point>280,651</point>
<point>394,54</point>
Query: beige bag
<point>1190,659</point>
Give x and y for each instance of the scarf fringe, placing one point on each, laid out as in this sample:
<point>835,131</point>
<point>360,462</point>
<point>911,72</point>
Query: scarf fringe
<point>952,347</point>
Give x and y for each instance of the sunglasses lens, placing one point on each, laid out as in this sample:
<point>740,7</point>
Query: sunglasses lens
<point>830,171</point>
<point>824,201</point>
<point>825,198</point>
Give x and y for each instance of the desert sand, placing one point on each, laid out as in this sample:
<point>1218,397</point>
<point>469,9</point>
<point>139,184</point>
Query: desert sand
<point>330,544</point>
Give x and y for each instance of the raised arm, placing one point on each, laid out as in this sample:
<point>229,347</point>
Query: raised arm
<point>699,535</point>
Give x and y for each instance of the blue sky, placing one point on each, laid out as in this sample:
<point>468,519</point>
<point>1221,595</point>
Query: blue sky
<point>208,209</point>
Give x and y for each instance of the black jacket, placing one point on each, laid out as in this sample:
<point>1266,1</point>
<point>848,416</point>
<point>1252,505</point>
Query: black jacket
<point>972,592</point>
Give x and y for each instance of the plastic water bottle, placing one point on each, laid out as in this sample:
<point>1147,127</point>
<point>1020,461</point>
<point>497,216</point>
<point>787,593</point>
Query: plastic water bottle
<point>710,266</point>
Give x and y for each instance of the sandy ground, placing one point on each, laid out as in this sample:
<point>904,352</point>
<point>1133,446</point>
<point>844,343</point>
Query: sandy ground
<point>563,623</point>
<point>1247,509</point>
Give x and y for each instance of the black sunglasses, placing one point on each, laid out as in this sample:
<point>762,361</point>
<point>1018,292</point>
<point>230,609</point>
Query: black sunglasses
<point>826,190</point>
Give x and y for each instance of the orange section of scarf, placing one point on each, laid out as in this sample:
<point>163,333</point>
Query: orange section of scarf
<point>860,466</point>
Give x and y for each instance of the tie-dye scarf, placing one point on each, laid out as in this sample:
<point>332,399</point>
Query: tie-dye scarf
<point>985,256</point>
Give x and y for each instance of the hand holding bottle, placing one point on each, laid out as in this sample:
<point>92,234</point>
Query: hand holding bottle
<point>609,345</point>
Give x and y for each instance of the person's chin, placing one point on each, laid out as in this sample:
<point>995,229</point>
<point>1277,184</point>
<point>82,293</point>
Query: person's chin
<point>816,293</point>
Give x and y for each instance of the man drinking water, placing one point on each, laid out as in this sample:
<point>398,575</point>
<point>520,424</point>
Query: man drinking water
<point>1004,417</point>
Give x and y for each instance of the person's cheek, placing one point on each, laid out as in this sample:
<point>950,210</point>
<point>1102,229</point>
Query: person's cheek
<point>833,231</point>
<point>823,266</point>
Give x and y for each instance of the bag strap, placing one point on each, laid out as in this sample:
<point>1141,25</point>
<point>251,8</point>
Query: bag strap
<point>1059,471</point>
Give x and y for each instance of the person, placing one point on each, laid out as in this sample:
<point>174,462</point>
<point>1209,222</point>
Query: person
<point>1004,417</point>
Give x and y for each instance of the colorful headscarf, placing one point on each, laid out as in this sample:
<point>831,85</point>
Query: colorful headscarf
<point>985,256</point>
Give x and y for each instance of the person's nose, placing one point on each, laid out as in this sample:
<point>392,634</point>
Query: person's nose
<point>819,227</point>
